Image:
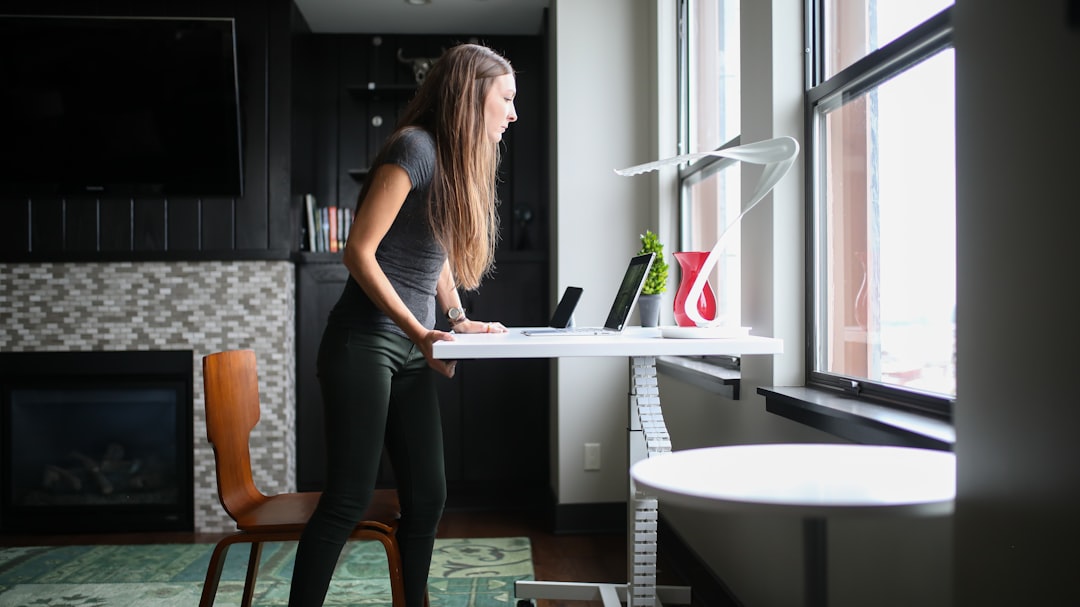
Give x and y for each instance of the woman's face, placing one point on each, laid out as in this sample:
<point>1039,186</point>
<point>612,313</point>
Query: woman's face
<point>499,109</point>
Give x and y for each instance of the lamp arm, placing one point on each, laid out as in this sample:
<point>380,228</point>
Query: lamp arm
<point>778,155</point>
<point>760,152</point>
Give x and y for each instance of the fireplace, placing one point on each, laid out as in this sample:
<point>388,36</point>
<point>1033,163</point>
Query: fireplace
<point>96,442</point>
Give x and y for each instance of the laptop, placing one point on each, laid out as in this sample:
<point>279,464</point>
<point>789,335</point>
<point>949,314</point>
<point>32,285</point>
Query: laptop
<point>624,302</point>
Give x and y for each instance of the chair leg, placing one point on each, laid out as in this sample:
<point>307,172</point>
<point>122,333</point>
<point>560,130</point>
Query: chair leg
<point>252,572</point>
<point>213,573</point>
<point>393,560</point>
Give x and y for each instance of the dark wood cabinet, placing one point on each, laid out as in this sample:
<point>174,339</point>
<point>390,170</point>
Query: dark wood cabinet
<point>319,280</point>
<point>502,421</point>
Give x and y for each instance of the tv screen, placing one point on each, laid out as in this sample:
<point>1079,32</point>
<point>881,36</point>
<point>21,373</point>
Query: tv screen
<point>128,106</point>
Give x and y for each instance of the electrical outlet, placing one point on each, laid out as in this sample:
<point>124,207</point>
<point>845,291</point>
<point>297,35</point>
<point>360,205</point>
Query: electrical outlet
<point>592,456</point>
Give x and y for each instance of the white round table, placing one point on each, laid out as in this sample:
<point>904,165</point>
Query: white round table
<point>813,481</point>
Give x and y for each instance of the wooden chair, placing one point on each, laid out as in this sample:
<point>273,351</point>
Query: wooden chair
<point>232,410</point>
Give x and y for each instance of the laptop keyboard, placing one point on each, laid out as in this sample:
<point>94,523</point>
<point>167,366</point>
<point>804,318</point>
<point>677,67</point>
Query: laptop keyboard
<point>572,331</point>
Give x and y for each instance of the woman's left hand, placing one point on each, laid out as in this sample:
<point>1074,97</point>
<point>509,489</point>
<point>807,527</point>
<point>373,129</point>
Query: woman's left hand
<point>479,326</point>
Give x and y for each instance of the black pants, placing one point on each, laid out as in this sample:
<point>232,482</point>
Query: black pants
<point>376,385</point>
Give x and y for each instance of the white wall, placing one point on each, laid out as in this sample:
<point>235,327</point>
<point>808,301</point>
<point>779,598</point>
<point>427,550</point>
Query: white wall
<point>1017,516</point>
<point>601,101</point>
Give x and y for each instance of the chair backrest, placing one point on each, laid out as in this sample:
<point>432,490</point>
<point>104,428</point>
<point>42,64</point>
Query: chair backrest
<point>231,387</point>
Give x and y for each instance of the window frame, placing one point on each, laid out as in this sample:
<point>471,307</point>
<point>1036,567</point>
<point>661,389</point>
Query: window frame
<point>699,170</point>
<point>877,67</point>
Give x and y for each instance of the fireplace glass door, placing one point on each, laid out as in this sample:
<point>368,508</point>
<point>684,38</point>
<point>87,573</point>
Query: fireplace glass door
<point>96,454</point>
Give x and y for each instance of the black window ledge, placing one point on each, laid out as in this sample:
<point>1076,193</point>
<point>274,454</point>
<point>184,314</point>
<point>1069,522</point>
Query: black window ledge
<point>703,374</point>
<point>858,420</point>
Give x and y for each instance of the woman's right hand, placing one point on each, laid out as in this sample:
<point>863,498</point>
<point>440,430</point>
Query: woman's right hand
<point>427,342</point>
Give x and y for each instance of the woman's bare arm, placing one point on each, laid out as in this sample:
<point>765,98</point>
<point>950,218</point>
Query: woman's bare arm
<point>374,216</point>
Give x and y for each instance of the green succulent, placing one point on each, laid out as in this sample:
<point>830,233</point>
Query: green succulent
<point>656,283</point>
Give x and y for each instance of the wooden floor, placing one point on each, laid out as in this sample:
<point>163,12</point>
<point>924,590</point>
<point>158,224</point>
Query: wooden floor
<point>559,558</point>
<point>563,558</point>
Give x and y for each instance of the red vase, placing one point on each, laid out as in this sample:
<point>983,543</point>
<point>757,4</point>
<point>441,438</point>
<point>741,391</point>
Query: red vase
<point>690,263</point>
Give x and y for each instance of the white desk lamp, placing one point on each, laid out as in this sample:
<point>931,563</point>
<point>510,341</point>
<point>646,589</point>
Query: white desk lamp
<point>776,154</point>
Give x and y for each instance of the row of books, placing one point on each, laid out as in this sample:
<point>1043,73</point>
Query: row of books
<point>325,228</point>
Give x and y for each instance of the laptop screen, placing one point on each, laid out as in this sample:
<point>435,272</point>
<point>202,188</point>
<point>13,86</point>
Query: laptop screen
<point>629,291</point>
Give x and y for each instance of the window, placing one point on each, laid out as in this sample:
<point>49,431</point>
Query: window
<point>854,29</point>
<point>882,261</point>
<point>709,193</point>
<point>709,70</point>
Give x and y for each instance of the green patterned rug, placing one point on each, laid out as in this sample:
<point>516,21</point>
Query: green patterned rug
<point>464,573</point>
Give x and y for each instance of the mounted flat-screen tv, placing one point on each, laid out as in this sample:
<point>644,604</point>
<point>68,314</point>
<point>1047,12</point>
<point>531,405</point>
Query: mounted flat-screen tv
<point>125,106</point>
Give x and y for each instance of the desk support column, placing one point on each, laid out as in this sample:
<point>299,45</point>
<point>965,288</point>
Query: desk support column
<point>647,436</point>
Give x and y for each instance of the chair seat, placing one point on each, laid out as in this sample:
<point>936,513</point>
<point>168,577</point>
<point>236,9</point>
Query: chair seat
<point>290,511</point>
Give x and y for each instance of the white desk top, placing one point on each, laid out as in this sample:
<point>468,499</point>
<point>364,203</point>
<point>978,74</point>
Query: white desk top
<point>633,341</point>
<point>804,479</point>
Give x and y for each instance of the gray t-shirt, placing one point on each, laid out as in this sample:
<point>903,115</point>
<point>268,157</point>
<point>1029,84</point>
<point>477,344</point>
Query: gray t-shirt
<point>409,255</point>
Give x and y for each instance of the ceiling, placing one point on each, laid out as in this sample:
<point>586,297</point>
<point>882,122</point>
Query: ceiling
<point>482,17</point>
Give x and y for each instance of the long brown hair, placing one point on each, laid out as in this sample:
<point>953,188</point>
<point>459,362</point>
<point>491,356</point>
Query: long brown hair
<point>450,105</point>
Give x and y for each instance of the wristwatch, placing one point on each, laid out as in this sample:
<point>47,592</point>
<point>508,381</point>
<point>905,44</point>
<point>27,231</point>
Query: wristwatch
<point>455,315</point>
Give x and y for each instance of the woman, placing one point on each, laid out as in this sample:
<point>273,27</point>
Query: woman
<point>425,224</point>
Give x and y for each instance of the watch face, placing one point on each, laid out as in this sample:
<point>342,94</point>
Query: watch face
<point>455,314</point>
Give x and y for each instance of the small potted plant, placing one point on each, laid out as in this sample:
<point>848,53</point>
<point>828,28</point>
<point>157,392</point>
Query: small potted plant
<point>655,283</point>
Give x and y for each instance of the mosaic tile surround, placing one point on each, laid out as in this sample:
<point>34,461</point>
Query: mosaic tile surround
<point>200,306</point>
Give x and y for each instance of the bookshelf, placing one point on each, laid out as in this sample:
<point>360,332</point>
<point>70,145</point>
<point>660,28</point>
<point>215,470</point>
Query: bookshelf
<point>324,228</point>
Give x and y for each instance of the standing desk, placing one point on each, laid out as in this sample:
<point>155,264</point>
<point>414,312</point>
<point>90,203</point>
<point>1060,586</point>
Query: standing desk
<point>646,436</point>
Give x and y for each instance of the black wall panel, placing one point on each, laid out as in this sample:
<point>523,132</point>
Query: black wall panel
<point>15,227</point>
<point>114,225</point>
<point>46,226</point>
<point>251,220</point>
<point>148,224</point>
<point>280,218</point>
<point>183,229</point>
<point>218,224</point>
<point>80,224</point>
